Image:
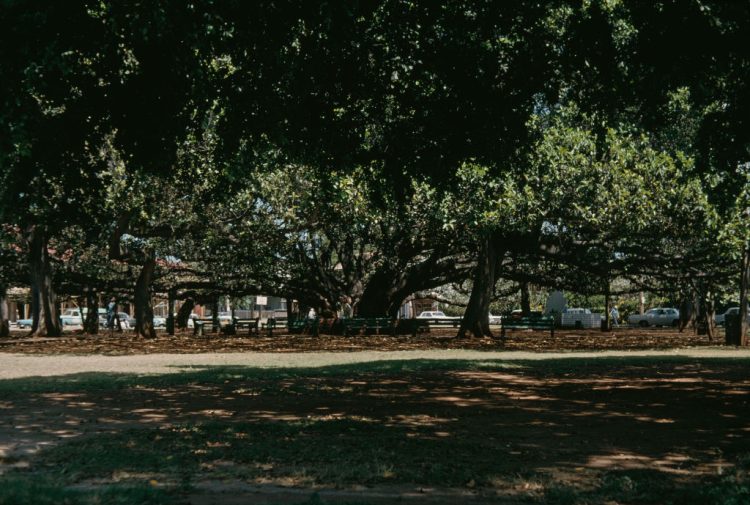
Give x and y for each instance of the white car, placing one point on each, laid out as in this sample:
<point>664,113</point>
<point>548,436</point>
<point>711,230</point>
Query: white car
<point>432,314</point>
<point>71,317</point>
<point>577,311</point>
<point>495,319</point>
<point>579,317</point>
<point>660,316</point>
<point>24,323</point>
<point>721,318</point>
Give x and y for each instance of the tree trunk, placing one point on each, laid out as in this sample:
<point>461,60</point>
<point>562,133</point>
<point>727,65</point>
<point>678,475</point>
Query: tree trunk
<point>144,313</point>
<point>170,314</point>
<point>690,309</point>
<point>289,309</point>
<point>477,316</point>
<point>710,312</point>
<point>184,313</point>
<point>744,284</point>
<point>525,300</point>
<point>91,323</point>
<point>46,320</point>
<point>375,300</point>
<point>387,289</point>
<point>641,303</point>
<point>215,314</point>
<point>4,324</point>
<point>607,322</point>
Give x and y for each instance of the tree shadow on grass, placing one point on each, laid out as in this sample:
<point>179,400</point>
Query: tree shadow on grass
<point>557,430</point>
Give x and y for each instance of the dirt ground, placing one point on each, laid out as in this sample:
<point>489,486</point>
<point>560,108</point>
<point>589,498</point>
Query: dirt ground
<point>534,341</point>
<point>522,430</point>
<point>574,426</point>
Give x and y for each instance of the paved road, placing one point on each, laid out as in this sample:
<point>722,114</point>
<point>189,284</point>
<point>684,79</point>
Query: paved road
<point>19,365</point>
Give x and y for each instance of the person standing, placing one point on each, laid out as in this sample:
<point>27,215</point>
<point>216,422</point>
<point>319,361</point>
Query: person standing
<point>614,316</point>
<point>111,309</point>
<point>347,310</point>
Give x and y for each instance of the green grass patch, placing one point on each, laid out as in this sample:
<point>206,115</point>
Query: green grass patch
<point>648,487</point>
<point>335,451</point>
<point>209,375</point>
<point>331,452</point>
<point>25,491</point>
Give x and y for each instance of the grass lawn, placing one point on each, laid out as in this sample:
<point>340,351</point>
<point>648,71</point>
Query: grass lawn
<point>605,430</point>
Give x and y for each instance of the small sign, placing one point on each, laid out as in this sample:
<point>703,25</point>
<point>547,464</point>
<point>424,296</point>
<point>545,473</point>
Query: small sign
<point>261,300</point>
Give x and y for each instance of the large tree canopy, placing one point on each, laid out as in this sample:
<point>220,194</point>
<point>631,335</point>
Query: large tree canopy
<point>371,150</point>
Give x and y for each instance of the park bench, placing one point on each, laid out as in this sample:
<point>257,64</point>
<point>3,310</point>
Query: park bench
<point>367,326</point>
<point>199,324</point>
<point>411,327</point>
<point>252,325</point>
<point>528,323</point>
<point>304,326</point>
<point>271,324</point>
<point>385,326</point>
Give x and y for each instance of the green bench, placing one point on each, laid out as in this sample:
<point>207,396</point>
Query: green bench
<point>273,323</point>
<point>367,326</point>
<point>528,323</point>
<point>411,327</point>
<point>200,322</point>
<point>252,325</point>
<point>303,326</point>
<point>384,326</point>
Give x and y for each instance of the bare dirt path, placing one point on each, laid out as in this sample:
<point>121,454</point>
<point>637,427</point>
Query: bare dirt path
<point>14,366</point>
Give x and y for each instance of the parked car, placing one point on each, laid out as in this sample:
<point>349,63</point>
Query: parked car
<point>125,320</point>
<point>660,316</point>
<point>71,317</point>
<point>495,319</point>
<point>574,310</point>
<point>721,318</point>
<point>24,323</point>
<point>578,317</point>
<point>160,322</point>
<point>431,314</point>
<point>518,314</point>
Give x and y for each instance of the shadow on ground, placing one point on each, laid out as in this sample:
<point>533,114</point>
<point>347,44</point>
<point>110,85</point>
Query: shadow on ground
<point>644,430</point>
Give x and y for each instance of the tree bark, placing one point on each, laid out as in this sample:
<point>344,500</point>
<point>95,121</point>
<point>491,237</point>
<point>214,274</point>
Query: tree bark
<point>170,314</point>
<point>744,284</point>
<point>387,288</point>
<point>91,323</point>
<point>476,319</point>
<point>144,313</point>
<point>607,322</point>
<point>46,318</point>
<point>710,314</point>
<point>641,303</point>
<point>375,300</point>
<point>184,313</point>
<point>4,323</point>
<point>525,300</point>
<point>215,314</point>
